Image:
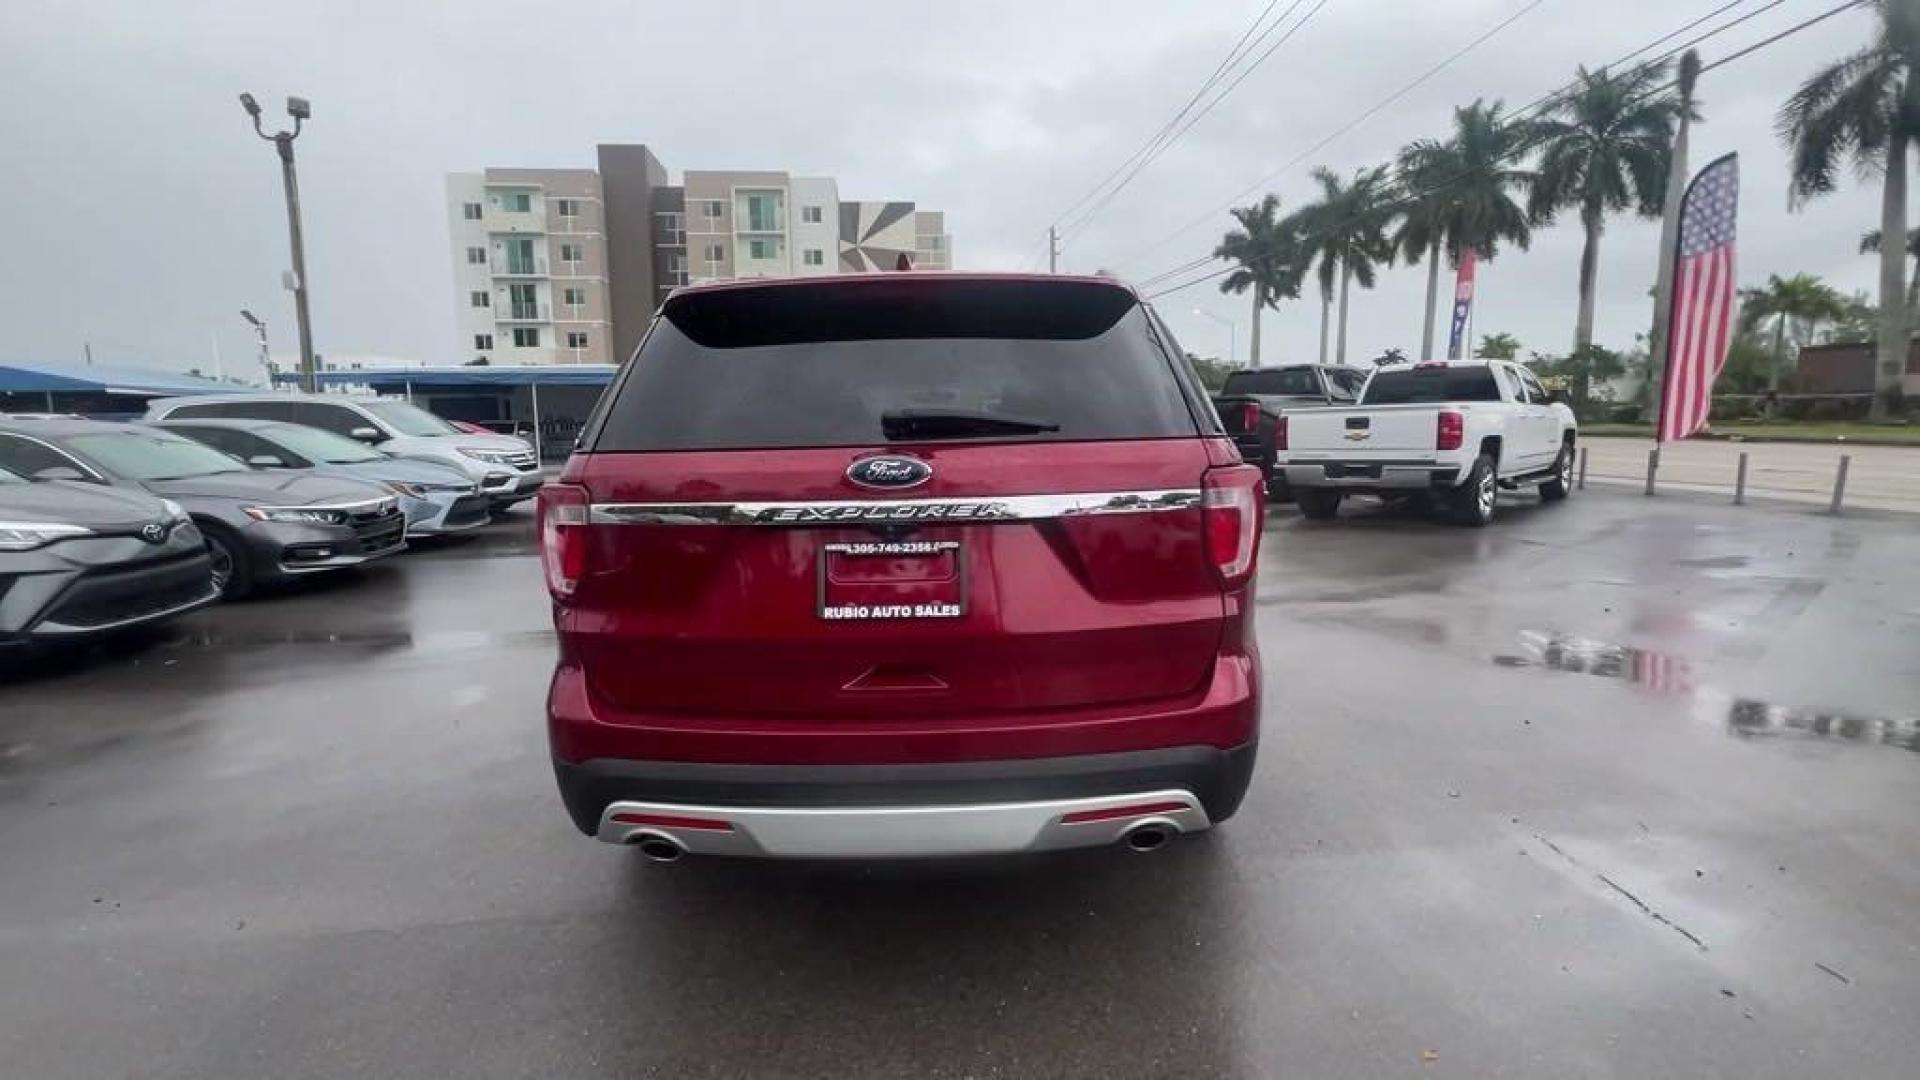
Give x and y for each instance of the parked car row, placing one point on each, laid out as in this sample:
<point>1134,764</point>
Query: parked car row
<point>108,525</point>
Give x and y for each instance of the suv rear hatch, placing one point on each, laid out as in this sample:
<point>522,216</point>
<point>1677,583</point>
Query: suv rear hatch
<point>901,496</point>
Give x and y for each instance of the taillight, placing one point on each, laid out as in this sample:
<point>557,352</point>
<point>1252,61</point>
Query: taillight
<point>1231,502</point>
<point>1449,429</point>
<point>1249,416</point>
<point>563,536</point>
<point>1280,433</point>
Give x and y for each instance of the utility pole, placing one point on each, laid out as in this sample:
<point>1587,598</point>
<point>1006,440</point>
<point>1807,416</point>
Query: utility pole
<point>282,141</point>
<point>1669,232</point>
<point>1053,250</point>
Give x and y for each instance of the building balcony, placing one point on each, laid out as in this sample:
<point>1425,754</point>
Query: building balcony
<point>514,221</point>
<point>525,313</point>
<point>510,267</point>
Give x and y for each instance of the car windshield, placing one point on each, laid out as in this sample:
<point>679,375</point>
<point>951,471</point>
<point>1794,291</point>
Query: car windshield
<point>317,445</point>
<point>10,478</point>
<point>146,454</point>
<point>409,419</point>
<point>1428,384</point>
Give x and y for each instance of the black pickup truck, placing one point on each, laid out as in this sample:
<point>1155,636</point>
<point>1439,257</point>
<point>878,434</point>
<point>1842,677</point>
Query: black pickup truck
<point>1252,403</point>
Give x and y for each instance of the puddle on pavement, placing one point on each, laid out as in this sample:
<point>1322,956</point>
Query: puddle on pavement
<point>373,641</point>
<point>1742,718</point>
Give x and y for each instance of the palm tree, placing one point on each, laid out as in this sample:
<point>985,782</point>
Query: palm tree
<point>1267,249</point>
<point>1871,243</point>
<point>1605,146</point>
<point>1501,346</point>
<point>1861,109</point>
<point>1345,235</point>
<point>1795,303</point>
<point>1426,172</point>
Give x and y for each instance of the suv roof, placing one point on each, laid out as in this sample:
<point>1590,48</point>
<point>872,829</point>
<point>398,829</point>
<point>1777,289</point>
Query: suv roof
<point>230,423</point>
<point>873,279</point>
<point>207,399</point>
<point>58,425</point>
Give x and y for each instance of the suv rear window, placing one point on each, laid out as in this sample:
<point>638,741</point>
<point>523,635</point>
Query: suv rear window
<point>840,363</point>
<point>1406,386</point>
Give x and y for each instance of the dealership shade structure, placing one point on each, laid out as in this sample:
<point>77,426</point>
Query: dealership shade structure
<point>96,389</point>
<point>572,389</point>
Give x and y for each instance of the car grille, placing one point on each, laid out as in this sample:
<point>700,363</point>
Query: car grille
<point>378,530</point>
<point>469,511</point>
<point>522,460</point>
<point>103,599</point>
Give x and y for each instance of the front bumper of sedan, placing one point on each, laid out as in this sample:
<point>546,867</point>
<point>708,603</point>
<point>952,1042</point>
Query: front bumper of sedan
<point>439,513</point>
<point>286,548</point>
<point>95,584</point>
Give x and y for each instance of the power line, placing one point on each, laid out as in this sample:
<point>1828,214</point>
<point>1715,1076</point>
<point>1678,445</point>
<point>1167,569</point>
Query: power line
<point>1403,91</point>
<point>1739,54</point>
<point>1086,216</point>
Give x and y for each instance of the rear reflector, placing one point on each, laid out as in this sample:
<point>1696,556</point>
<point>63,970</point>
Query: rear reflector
<point>1114,813</point>
<point>1448,430</point>
<point>563,536</point>
<point>1231,504</point>
<point>675,821</point>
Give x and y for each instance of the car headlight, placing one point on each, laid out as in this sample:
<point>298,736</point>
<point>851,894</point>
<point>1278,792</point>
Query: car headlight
<point>411,491</point>
<point>27,535</point>
<point>296,515</point>
<point>491,457</point>
<point>175,511</point>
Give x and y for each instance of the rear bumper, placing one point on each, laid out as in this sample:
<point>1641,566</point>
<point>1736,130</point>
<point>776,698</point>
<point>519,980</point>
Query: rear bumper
<point>894,811</point>
<point>1370,475</point>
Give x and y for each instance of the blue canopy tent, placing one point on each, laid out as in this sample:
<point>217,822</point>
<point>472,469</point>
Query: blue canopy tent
<point>98,389</point>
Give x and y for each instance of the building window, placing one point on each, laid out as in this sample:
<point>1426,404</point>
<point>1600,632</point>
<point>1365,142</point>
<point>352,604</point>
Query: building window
<point>716,253</point>
<point>576,339</point>
<point>814,257</point>
<point>714,208</point>
<point>480,299</point>
<point>517,202</point>
<point>671,227</point>
<point>677,268</point>
<point>810,215</point>
<point>762,210</point>
<point>476,256</point>
<point>470,211</point>
<point>575,296</point>
<point>567,207</point>
<point>524,298</point>
<point>760,249</point>
<point>483,342</point>
<point>570,253</point>
<point>526,337</point>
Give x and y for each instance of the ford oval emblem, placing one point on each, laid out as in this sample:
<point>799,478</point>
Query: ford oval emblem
<point>889,471</point>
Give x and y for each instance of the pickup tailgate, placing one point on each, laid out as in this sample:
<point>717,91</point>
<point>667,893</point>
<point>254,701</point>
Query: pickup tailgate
<point>1358,434</point>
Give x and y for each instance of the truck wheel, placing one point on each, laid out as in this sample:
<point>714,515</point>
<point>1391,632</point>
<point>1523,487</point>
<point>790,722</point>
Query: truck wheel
<point>1472,502</point>
<point>1318,503</point>
<point>1562,483</point>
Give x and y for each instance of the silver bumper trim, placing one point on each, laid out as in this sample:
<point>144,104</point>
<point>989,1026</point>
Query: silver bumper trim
<point>856,512</point>
<point>888,832</point>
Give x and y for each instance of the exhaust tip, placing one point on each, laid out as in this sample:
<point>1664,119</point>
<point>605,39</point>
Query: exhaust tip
<point>1148,836</point>
<point>658,847</point>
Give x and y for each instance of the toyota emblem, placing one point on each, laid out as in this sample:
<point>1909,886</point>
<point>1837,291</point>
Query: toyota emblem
<point>889,471</point>
<point>154,533</point>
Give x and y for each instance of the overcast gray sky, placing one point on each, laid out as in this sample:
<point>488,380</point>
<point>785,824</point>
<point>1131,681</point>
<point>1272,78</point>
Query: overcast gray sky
<point>146,213</point>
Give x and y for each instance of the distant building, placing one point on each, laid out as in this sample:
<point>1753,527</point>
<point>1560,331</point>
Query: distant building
<point>1848,369</point>
<point>567,266</point>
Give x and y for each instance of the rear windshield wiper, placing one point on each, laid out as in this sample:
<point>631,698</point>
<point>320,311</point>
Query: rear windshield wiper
<point>956,424</point>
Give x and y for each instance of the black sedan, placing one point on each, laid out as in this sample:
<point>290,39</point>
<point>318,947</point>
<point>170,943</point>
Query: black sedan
<point>79,559</point>
<point>259,526</point>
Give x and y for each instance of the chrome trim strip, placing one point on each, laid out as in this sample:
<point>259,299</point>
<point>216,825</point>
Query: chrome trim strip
<point>881,832</point>
<point>883,511</point>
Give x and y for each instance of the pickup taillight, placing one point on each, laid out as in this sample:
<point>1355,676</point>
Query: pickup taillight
<point>1280,432</point>
<point>1450,427</point>
<point>1249,416</point>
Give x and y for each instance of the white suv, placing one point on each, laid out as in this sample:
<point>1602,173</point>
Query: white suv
<point>503,466</point>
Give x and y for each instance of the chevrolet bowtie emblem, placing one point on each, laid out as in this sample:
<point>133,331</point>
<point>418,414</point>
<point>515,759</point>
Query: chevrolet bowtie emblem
<point>1356,436</point>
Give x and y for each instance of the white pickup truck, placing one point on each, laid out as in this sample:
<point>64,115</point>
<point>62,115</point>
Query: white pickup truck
<point>1457,431</point>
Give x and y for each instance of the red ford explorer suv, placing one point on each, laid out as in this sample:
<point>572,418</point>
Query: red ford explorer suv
<point>903,565</point>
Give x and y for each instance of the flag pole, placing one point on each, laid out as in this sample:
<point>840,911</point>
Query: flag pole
<point>1660,339</point>
<point>1666,381</point>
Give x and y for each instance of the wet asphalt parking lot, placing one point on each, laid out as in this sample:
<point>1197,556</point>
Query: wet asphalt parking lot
<point>1613,788</point>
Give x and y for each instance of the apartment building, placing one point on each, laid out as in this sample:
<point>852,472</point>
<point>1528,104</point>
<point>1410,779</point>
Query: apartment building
<point>629,238</point>
<point>530,266</point>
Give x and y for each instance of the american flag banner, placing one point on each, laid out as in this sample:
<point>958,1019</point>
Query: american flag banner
<point>1703,298</point>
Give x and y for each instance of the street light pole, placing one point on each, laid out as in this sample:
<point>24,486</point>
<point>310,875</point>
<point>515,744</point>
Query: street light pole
<point>260,329</point>
<point>282,141</point>
<point>1233,335</point>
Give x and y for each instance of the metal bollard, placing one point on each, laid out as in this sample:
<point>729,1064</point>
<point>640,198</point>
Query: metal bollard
<point>1740,482</point>
<point>1583,466</point>
<point>1840,483</point>
<point>1653,466</point>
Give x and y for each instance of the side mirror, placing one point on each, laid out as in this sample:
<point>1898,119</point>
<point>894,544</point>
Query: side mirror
<point>366,434</point>
<point>266,461</point>
<point>60,472</point>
